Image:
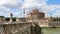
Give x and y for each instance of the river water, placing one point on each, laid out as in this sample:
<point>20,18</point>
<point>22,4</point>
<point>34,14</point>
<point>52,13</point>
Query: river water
<point>50,31</point>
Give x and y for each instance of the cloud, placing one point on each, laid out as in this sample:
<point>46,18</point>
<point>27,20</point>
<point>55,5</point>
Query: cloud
<point>17,6</point>
<point>39,4</point>
<point>3,1</point>
<point>4,12</point>
<point>7,6</point>
<point>42,6</point>
<point>32,3</point>
<point>13,4</point>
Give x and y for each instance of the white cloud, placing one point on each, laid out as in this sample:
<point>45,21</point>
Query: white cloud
<point>42,6</point>
<point>7,5</point>
<point>32,3</point>
<point>13,4</point>
<point>3,1</point>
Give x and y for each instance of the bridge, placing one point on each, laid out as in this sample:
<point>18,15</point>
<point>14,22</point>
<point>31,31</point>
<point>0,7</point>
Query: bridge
<point>15,28</point>
<point>49,24</point>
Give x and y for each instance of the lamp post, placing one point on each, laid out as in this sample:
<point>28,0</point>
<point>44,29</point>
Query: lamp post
<point>57,18</point>
<point>24,15</point>
<point>51,17</point>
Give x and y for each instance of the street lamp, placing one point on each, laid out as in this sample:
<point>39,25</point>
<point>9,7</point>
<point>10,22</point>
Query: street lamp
<point>24,15</point>
<point>51,17</point>
<point>57,18</point>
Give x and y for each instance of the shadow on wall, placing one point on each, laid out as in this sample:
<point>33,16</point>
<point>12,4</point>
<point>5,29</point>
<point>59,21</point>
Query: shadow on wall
<point>36,30</point>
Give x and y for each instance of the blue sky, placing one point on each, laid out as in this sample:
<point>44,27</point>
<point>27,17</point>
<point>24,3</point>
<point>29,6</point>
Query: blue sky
<point>52,2</point>
<point>16,7</point>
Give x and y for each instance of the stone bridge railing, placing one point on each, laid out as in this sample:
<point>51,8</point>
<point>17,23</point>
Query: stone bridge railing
<point>43,23</point>
<point>54,23</point>
<point>15,28</point>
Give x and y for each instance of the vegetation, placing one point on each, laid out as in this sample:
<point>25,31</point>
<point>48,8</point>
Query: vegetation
<point>8,18</point>
<point>1,16</point>
<point>56,19</point>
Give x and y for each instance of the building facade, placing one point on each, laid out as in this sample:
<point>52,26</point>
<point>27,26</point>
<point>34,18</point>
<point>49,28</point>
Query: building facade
<point>2,18</point>
<point>35,15</point>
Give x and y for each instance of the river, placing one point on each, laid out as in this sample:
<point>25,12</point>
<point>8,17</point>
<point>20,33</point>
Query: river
<point>50,30</point>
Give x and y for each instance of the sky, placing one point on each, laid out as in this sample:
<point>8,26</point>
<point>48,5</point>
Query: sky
<point>49,7</point>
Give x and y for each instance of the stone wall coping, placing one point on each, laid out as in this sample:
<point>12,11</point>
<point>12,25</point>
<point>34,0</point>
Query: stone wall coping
<point>11,23</point>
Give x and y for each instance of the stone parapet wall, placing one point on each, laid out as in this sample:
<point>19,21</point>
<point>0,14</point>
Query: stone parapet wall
<point>54,23</point>
<point>21,28</point>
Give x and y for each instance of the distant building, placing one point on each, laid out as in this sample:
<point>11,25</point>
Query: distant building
<point>35,14</point>
<point>20,19</point>
<point>2,18</point>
